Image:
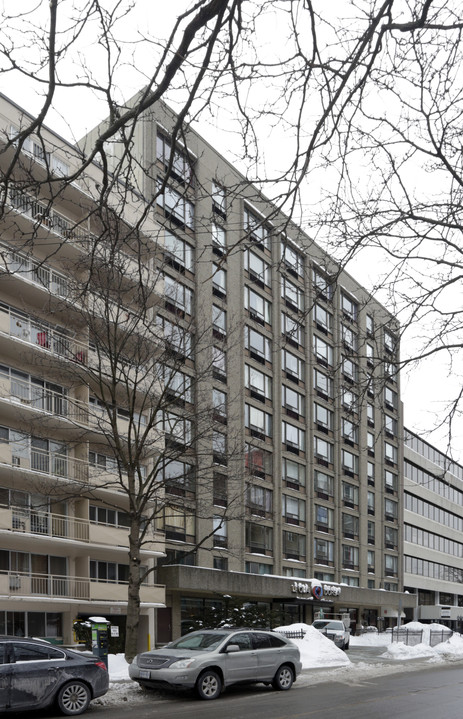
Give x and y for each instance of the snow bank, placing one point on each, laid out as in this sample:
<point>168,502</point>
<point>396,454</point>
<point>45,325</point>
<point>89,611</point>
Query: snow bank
<point>316,649</point>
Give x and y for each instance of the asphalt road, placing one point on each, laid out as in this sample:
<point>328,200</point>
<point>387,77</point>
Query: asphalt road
<point>427,693</point>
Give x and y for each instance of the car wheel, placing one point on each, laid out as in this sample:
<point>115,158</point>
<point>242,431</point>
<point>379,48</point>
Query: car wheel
<point>209,685</point>
<point>283,679</point>
<point>73,698</point>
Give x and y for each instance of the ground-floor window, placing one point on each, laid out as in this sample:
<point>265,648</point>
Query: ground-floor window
<point>44,625</point>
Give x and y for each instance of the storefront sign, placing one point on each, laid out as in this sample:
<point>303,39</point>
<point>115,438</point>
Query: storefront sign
<point>318,591</point>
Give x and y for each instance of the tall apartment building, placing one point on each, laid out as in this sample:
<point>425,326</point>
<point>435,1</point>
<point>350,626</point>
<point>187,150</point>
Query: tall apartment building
<point>433,525</point>
<point>63,522</point>
<point>288,493</point>
<point>307,420</point>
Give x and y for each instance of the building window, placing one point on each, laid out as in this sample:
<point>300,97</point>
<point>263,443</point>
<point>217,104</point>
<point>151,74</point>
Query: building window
<point>390,453</point>
<point>259,539</point>
<point>350,581</point>
<point>219,239</point>
<point>293,437</point>
<point>259,269</point>
<point>323,485</point>
<point>390,481</point>
<point>181,166</point>
<point>390,342</point>
<point>371,561</point>
<point>219,526</point>
<point>292,366</point>
<point>178,430</point>
<point>323,289</point>
<point>349,463</point>
<point>219,322</point>
<point>293,295</point>
<point>324,519</point>
<point>371,533</point>
<point>257,229</point>
<point>293,402</point>
<point>258,462</point>
<point>258,307</point>
<point>349,370</point>
<point>178,524</point>
<point>219,281</point>
<point>349,400</point>
<point>349,431</point>
<point>294,546</point>
<point>390,426</point>
<point>293,510</point>
<point>219,404</point>
<point>258,568</point>
<point>391,538</point>
<point>349,307</point>
<point>292,259</point>
<point>350,526</point>
<point>350,495</point>
<point>370,325</point>
<point>323,385</point>
<point>259,501</point>
<point>371,473</point>
<point>371,502</point>
<point>390,510</point>
<point>219,364</point>
<point>323,451</point>
<point>258,345</point>
<point>323,319</point>
<point>219,447</point>
<point>221,563</point>
<point>293,474</point>
<point>178,478</point>
<point>323,351</point>
<point>109,571</point>
<point>350,557</point>
<point>370,354</point>
<point>370,414</point>
<point>323,551</point>
<point>390,565</point>
<point>259,384</point>
<point>323,417</point>
<point>258,422</point>
<point>179,298</point>
<point>219,205</point>
<point>390,398</point>
<point>371,444</point>
<point>178,252</point>
<point>349,338</point>
<point>180,210</point>
<point>219,489</point>
<point>292,330</point>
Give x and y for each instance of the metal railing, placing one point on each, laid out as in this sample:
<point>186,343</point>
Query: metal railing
<point>38,397</point>
<point>49,524</point>
<point>34,332</point>
<point>57,465</point>
<point>412,637</point>
<point>44,215</point>
<point>37,272</point>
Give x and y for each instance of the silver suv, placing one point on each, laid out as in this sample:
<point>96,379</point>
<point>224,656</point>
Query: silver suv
<point>210,660</point>
<point>335,630</point>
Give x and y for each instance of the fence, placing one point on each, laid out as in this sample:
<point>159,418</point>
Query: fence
<point>411,637</point>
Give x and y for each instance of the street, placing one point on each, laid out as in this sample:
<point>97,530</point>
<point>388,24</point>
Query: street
<point>423,694</point>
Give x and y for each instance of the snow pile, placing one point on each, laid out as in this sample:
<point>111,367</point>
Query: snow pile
<point>316,649</point>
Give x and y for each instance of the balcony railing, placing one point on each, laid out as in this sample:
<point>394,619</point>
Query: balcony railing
<point>33,395</point>
<point>46,524</point>
<point>36,272</point>
<point>20,584</point>
<point>44,215</point>
<point>40,334</point>
<point>43,461</point>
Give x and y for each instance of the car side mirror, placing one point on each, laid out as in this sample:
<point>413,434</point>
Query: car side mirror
<point>233,648</point>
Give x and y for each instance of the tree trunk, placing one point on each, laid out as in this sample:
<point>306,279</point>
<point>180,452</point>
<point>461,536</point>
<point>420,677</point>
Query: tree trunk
<point>133,597</point>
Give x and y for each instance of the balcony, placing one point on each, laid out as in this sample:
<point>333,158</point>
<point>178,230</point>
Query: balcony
<point>56,526</point>
<point>35,397</point>
<point>21,584</point>
<point>27,329</point>
<point>40,461</point>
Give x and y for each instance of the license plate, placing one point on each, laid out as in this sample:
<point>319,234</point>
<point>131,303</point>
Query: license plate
<point>145,674</point>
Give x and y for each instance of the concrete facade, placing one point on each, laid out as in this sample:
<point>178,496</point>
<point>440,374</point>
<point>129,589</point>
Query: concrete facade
<point>433,526</point>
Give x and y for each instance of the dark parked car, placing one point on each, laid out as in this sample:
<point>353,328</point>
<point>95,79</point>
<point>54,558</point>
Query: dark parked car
<point>210,660</point>
<point>35,674</point>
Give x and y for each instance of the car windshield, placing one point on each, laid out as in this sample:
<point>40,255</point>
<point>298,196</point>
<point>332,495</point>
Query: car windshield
<point>200,641</point>
<point>328,625</point>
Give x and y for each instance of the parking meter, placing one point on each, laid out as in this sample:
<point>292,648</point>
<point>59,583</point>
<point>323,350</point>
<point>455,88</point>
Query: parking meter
<point>100,638</point>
